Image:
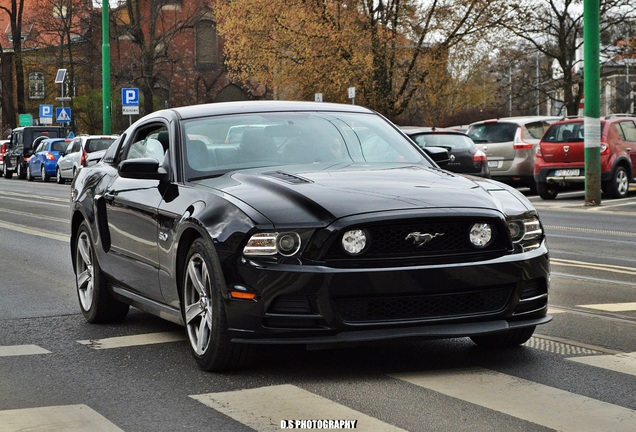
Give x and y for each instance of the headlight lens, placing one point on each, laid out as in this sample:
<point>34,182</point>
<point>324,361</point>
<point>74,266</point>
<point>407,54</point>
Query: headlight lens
<point>481,234</point>
<point>526,233</point>
<point>355,241</point>
<point>267,244</point>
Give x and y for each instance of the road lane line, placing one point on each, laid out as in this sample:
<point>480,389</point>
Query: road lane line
<point>134,340</point>
<point>22,350</point>
<point>590,230</point>
<point>623,363</point>
<point>69,418</point>
<point>34,231</point>
<point>527,400</point>
<point>611,307</point>
<point>593,266</point>
<point>264,408</point>
<point>31,197</point>
<point>35,216</point>
<point>592,279</point>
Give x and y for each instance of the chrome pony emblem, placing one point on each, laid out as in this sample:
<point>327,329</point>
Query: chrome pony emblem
<point>420,239</point>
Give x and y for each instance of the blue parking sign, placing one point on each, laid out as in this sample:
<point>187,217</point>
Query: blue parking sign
<point>46,111</point>
<point>130,97</point>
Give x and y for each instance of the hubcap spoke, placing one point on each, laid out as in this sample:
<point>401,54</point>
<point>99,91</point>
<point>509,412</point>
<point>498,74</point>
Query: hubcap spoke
<point>192,312</point>
<point>195,277</point>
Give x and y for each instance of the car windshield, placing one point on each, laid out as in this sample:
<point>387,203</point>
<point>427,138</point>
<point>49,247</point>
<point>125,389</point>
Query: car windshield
<point>493,132</point>
<point>448,141</point>
<point>59,146</point>
<point>274,139</point>
<point>96,144</point>
<point>565,132</point>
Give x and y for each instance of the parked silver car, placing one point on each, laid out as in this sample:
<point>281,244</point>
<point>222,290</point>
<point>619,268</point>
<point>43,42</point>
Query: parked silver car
<point>74,157</point>
<point>510,144</point>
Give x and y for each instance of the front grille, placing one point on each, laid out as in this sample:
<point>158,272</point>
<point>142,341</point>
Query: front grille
<point>451,237</point>
<point>423,307</point>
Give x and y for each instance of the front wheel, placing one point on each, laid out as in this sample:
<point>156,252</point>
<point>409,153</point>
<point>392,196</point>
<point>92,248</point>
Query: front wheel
<point>96,302</point>
<point>547,191</point>
<point>507,339</point>
<point>618,186</point>
<point>204,313</point>
<point>7,174</point>
<point>20,171</point>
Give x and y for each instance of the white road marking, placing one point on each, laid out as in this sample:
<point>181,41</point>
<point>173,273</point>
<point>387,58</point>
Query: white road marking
<point>623,363</point>
<point>21,350</point>
<point>594,266</point>
<point>611,307</point>
<point>34,231</point>
<point>533,402</point>
<point>264,408</point>
<point>134,340</point>
<point>69,418</point>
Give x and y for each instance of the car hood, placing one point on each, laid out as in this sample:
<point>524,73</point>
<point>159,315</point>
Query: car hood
<point>304,196</point>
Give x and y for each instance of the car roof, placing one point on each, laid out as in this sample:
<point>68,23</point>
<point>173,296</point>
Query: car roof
<point>246,107</point>
<point>518,119</point>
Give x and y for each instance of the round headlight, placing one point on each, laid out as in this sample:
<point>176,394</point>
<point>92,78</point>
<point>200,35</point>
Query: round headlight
<point>516,230</point>
<point>355,241</point>
<point>288,244</point>
<point>480,234</point>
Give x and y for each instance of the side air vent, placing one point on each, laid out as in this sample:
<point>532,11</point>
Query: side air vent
<point>289,178</point>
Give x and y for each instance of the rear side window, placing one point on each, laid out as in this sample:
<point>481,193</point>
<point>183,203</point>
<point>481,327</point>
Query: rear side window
<point>493,132</point>
<point>94,144</point>
<point>58,146</point>
<point>629,130</point>
<point>448,141</point>
<point>565,132</point>
<point>534,130</point>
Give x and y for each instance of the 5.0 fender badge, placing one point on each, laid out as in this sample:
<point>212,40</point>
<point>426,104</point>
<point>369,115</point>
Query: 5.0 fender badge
<point>420,239</point>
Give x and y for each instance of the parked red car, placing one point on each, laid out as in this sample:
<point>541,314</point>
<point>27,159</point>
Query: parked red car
<point>560,159</point>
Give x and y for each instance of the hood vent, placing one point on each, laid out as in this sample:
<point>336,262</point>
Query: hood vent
<point>289,178</point>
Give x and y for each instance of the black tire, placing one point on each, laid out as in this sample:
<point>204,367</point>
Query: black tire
<point>618,186</point>
<point>547,191</point>
<point>204,312</point>
<point>97,303</point>
<point>45,176</point>
<point>533,187</point>
<point>20,171</point>
<point>507,339</point>
<point>29,176</point>
<point>7,174</point>
<point>58,176</point>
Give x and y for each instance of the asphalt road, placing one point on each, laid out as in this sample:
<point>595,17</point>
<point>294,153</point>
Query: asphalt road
<point>58,373</point>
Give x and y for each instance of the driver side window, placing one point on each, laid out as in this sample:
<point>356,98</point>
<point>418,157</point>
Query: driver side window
<point>149,142</point>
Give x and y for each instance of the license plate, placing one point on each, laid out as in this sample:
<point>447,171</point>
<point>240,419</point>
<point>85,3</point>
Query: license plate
<point>493,164</point>
<point>567,173</point>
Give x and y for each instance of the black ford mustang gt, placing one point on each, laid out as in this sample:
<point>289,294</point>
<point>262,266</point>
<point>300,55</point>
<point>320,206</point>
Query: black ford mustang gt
<point>300,223</point>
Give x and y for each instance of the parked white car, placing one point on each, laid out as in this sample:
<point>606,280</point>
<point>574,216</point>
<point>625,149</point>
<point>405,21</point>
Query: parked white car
<point>75,155</point>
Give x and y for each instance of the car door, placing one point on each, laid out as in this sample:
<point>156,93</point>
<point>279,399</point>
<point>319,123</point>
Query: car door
<point>36,160</point>
<point>64,163</point>
<point>629,132</point>
<point>130,206</point>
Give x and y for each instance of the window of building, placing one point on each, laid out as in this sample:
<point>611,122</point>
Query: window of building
<point>206,43</point>
<point>36,85</point>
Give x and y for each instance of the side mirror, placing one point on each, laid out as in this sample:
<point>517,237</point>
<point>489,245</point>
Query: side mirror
<point>438,154</point>
<point>142,168</point>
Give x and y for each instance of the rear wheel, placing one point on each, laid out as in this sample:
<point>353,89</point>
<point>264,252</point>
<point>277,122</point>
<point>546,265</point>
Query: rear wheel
<point>7,174</point>
<point>204,313</point>
<point>58,176</point>
<point>96,302</point>
<point>507,339</point>
<point>618,186</point>
<point>29,176</point>
<point>45,176</point>
<point>547,191</point>
<point>19,171</point>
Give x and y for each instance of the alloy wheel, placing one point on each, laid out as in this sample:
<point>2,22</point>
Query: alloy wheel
<point>84,271</point>
<point>622,182</point>
<point>198,304</point>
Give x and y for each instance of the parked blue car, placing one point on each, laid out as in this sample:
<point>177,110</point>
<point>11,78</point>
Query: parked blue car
<point>44,161</point>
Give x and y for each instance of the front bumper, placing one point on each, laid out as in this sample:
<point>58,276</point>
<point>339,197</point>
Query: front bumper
<point>317,304</point>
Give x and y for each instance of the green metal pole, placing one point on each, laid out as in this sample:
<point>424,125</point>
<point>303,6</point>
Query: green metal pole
<point>105,68</point>
<point>592,92</point>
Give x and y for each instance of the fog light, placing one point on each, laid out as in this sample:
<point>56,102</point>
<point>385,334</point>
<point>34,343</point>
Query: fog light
<point>354,241</point>
<point>480,234</point>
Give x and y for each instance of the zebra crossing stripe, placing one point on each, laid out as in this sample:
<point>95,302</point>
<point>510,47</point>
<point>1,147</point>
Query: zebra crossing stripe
<point>267,409</point>
<point>69,418</point>
<point>134,340</point>
<point>612,307</point>
<point>624,362</point>
<point>21,350</point>
<point>537,403</point>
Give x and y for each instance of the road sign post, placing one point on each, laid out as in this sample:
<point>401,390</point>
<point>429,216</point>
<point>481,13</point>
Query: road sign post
<point>592,91</point>
<point>130,102</point>
<point>46,114</point>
